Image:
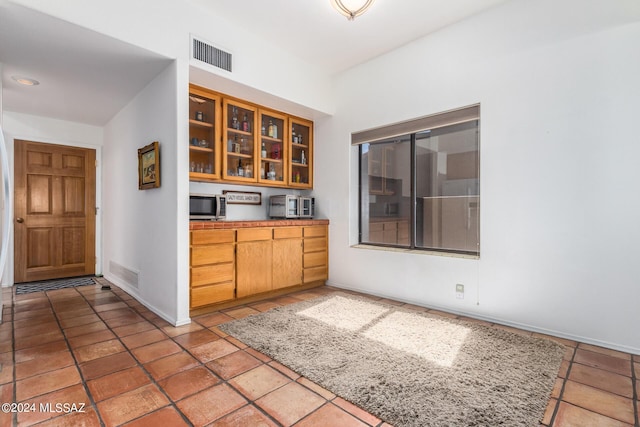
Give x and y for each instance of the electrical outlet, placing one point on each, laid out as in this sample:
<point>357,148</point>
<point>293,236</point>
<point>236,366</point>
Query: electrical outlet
<point>459,291</point>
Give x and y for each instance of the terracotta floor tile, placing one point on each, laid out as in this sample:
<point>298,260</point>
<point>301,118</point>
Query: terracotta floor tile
<point>210,351</point>
<point>233,364</point>
<point>156,350</point>
<point>264,306</point>
<point>131,405</point>
<point>123,331</point>
<point>74,394</point>
<point>27,323</point>
<point>173,331</point>
<point>286,300</point>
<point>548,413</point>
<point>569,352</point>
<point>316,388</point>
<point>564,368</point>
<point>46,383</point>
<point>85,329</point>
<point>356,411</point>
<point>124,321</point>
<point>607,351</point>
<point>236,342</point>
<point>42,328</point>
<point>88,339</point>
<point>290,403</point>
<point>74,313</point>
<point>242,312</point>
<point>107,306</point>
<point>117,383</point>
<point>107,365</point>
<point>143,338</point>
<point>213,319</point>
<point>167,416</point>
<point>260,356</point>
<point>573,416</point>
<point>98,350</point>
<point>259,381</point>
<point>44,364</point>
<point>188,382</point>
<point>193,339</point>
<point>604,380</point>
<point>124,311</point>
<point>211,404</point>
<point>284,370</point>
<point>557,388</point>
<point>85,417</point>
<point>603,361</point>
<point>330,415</point>
<point>81,320</point>
<point>599,401</point>
<point>171,365</point>
<point>248,415</point>
<point>36,340</point>
<point>6,396</point>
<point>30,313</point>
<point>40,351</point>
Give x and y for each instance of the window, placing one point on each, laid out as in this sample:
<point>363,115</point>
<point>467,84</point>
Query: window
<point>419,189</point>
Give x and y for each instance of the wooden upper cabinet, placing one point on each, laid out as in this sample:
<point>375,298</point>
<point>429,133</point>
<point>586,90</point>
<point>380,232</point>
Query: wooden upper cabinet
<point>204,135</point>
<point>300,145</point>
<point>240,142</point>
<point>273,151</point>
<point>244,143</point>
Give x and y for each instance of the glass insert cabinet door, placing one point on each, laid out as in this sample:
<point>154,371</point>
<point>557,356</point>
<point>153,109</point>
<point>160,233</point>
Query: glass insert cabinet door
<point>272,150</point>
<point>204,153</point>
<point>239,147</point>
<point>300,152</point>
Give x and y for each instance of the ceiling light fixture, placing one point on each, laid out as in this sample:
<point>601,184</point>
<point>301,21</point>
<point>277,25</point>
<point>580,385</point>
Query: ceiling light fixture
<point>351,8</point>
<point>25,81</point>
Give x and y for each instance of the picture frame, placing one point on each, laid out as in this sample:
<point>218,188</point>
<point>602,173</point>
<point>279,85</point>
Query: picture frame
<point>243,197</point>
<point>149,166</point>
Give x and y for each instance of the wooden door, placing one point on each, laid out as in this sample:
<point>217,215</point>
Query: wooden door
<point>54,211</point>
<point>253,274</point>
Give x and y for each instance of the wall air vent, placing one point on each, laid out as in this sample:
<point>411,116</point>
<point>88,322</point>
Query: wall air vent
<point>205,52</point>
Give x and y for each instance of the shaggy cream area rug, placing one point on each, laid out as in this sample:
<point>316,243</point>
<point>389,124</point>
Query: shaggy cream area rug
<point>407,367</point>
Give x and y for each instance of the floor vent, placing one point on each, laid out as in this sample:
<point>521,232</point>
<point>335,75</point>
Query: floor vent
<point>205,52</point>
<point>130,277</point>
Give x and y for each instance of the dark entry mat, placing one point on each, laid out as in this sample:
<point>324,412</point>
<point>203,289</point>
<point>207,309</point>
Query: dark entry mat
<point>50,285</point>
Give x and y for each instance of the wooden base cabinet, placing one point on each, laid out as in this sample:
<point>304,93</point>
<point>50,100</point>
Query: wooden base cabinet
<point>212,267</point>
<point>231,264</point>
<point>316,253</point>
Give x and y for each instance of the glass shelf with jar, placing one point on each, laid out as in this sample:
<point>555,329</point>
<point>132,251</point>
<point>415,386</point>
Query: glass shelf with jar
<point>204,117</point>
<point>273,151</point>
<point>300,150</point>
<point>240,141</point>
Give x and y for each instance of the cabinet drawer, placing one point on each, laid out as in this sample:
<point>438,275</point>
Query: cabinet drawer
<point>315,244</point>
<point>315,273</point>
<point>315,231</point>
<point>254,234</point>
<point>201,255</point>
<point>315,259</point>
<point>211,274</point>
<point>287,232</point>
<point>376,226</point>
<point>211,294</point>
<point>206,237</point>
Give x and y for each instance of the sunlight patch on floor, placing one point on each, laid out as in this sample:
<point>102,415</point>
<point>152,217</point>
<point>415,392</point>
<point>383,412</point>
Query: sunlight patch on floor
<point>429,338</point>
<point>344,313</point>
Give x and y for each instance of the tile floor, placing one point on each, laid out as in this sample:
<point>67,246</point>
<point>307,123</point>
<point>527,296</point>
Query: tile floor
<point>103,351</point>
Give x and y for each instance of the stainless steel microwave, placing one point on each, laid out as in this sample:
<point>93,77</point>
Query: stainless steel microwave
<point>207,207</point>
<point>290,206</point>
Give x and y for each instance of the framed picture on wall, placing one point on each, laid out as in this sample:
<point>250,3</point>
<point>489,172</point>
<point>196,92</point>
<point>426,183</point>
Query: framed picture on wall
<point>149,166</point>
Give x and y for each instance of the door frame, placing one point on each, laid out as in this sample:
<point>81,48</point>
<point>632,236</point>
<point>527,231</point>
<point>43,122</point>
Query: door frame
<point>9,277</point>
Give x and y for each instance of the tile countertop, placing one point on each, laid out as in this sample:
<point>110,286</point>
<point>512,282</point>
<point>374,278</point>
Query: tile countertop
<point>201,225</point>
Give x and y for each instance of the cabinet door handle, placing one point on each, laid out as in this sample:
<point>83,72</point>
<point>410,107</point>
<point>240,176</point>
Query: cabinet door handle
<point>20,220</point>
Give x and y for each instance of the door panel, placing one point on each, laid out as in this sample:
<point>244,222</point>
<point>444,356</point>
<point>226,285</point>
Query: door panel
<point>54,211</point>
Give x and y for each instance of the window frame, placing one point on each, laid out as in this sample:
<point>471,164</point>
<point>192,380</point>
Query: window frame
<point>416,126</point>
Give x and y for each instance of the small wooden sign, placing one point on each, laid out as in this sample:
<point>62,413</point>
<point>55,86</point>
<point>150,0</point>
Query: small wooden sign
<point>243,197</point>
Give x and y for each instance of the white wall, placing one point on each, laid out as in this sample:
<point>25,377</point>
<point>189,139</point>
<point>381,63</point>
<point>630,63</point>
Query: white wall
<point>53,131</point>
<point>142,226</point>
<point>557,83</point>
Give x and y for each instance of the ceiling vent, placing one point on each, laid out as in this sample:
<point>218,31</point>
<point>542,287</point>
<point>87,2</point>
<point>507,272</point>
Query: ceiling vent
<point>205,52</point>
